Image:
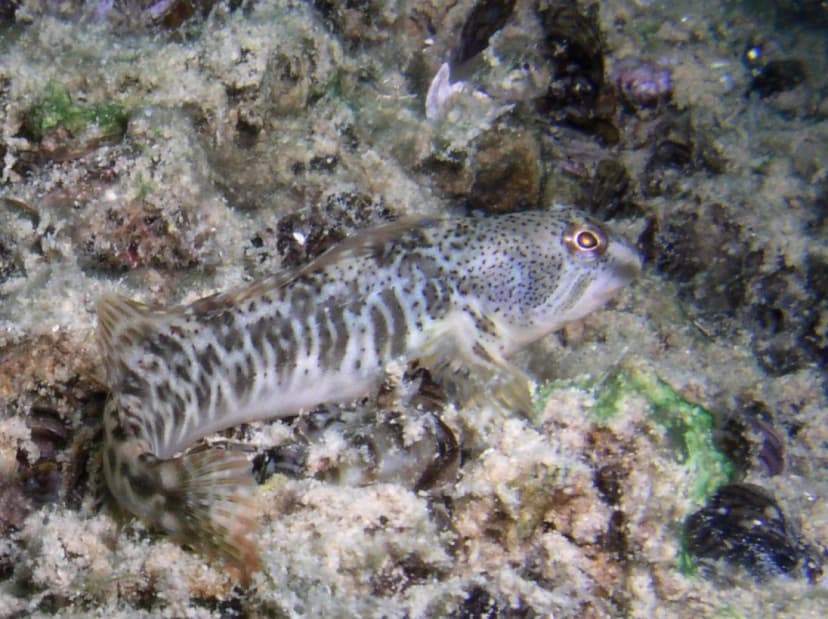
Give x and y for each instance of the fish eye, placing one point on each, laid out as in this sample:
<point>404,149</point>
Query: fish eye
<point>586,240</point>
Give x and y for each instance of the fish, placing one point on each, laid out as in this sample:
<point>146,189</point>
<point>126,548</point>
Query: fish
<point>455,295</point>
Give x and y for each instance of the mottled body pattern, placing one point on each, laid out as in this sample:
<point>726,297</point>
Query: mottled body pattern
<point>458,295</point>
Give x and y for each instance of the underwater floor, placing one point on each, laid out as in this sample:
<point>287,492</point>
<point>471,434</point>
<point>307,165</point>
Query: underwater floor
<point>676,461</point>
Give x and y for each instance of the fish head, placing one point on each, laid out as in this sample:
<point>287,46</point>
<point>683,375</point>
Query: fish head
<point>588,265</point>
<point>561,266</point>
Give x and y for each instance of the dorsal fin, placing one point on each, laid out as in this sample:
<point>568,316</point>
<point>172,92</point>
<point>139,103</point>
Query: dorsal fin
<point>369,242</point>
<point>117,314</point>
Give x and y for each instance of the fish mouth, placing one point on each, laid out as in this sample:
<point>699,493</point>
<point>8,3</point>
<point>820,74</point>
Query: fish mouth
<point>625,267</point>
<point>627,264</point>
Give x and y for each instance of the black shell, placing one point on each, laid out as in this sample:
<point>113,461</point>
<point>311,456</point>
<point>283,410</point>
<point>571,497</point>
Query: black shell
<point>486,18</point>
<point>743,525</point>
<point>777,76</point>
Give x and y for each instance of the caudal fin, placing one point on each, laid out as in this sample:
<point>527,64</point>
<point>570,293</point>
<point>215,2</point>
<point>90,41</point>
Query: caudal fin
<point>210,505</point>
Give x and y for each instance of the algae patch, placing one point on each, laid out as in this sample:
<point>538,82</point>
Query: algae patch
<point>689,426</point>
<point>56,110</point>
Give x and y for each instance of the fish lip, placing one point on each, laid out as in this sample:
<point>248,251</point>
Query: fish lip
<point>626,267</point>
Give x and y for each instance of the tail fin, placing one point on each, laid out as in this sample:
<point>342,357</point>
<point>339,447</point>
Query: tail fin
<point>202,499</point>
<point>218,510</point>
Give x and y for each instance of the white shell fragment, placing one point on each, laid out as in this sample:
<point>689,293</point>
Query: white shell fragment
<point>440,91</point>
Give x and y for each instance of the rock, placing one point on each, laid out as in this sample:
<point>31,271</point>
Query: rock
<point>506,168</point>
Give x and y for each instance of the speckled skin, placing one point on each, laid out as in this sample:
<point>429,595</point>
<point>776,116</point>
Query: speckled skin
<point>451,293</point>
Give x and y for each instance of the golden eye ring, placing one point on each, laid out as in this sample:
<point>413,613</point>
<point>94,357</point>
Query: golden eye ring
<point>586,240</point>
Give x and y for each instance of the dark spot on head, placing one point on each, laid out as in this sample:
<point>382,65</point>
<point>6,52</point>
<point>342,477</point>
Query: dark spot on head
<point>181,371</point>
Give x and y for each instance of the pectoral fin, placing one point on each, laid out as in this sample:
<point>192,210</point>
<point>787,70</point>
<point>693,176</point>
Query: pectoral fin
<point>474,376</point>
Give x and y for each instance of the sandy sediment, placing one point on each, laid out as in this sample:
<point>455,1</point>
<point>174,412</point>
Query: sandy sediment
<point>167,159</point>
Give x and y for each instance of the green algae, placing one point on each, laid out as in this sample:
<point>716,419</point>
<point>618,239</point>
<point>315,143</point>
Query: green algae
<point>689,426</point>
<point>336,89</point>
<point>685,562</point>
<point>56,109</point>
<point>728,612</point>
<point>144,187</point>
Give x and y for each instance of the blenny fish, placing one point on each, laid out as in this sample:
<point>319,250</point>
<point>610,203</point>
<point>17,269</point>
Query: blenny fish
<point>457,296</point>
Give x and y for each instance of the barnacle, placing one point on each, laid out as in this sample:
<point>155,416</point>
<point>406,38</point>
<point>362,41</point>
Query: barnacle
<point>752,440</point>
<point>441,92</point>
<point>11,264</point>
<point>644,84</point>
<point>609,195</point>
<point>778,76</point>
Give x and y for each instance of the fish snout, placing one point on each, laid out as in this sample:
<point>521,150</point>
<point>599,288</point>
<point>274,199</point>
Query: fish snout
<point>622,267</point>
<point>626,264</point>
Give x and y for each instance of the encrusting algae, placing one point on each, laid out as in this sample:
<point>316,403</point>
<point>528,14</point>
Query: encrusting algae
<point>458,295</point>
